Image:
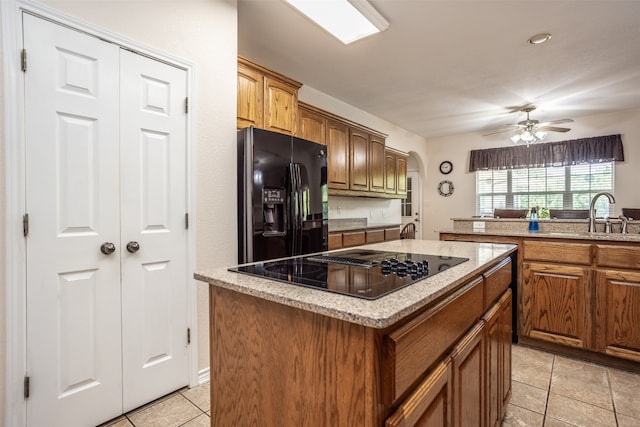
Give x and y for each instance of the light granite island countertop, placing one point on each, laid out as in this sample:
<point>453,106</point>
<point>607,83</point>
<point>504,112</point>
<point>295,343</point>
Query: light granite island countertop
<point>381,312</point>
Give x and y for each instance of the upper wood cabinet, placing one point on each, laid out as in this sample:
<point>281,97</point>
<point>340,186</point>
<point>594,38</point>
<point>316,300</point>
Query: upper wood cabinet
<point>358,160</point>
<point>376,164</point>
<point>266,99</point>
<point>395,181</point>
<point>401,174</point>
<point>337,155</point>
<point>250,95</point>
<point>312,126</point>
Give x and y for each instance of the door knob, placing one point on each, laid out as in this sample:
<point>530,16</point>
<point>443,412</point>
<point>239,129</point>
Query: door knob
<point>107,248</point>
<point>133,247</point>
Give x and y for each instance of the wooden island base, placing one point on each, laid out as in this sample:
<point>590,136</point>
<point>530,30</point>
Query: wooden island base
<point>449,363</point>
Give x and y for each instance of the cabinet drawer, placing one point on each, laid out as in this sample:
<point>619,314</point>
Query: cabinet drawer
<point>429,404</point>
<point>414,347</point>
<point>569,253</point>
<point>618,256</point>
<point>392,234</point>
<point>335,240</point>
<point>375,236</point>
<point>353,238</point>
<point>496,281</point>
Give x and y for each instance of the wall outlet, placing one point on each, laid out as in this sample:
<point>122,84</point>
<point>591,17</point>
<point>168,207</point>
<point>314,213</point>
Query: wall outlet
<point>338,209</point>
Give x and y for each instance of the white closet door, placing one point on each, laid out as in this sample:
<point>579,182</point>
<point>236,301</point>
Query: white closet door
<point>72,197</point>
<point>154,278</point>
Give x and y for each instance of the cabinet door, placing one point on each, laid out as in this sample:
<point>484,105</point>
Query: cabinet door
<point>338,154</point>
<point>498,360</point>
<point>280,106</point>
<point>401,175</point>
<point>468,378</point>
<point>312,126</point>
<point>359,160</point>
<point>250,93</point>
<point>430,404</point>
<point>556,304</point>
<point>390,172</point>
<point>376,164</point>
<point>617,314</point>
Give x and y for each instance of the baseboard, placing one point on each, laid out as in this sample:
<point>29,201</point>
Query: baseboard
<point>204,376</point>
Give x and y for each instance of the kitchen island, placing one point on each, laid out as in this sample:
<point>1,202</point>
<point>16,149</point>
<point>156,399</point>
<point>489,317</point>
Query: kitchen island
<point>286,355</point>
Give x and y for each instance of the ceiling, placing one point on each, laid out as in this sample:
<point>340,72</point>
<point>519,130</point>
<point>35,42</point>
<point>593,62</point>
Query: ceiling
<point>451,67</point>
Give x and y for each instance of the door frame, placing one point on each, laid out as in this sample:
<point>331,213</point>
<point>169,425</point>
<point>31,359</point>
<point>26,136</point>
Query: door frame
<point>16,367</point>
<point>416,202</point>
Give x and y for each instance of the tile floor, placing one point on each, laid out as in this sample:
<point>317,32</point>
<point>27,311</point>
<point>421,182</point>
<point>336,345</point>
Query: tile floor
<point>547,390</point>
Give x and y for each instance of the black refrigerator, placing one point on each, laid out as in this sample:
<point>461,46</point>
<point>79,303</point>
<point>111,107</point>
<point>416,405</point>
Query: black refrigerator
<point>282,196</point>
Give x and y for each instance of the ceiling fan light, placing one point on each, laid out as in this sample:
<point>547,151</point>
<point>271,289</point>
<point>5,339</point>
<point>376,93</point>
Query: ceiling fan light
<point>515,138</point>
<point>541,135</point>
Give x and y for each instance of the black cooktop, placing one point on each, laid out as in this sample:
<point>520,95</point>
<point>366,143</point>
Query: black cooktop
<point>361,273</point>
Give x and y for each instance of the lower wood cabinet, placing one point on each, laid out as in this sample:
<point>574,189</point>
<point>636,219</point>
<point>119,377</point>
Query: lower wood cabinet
<point>469,374</point>
<point>556,304</point>
<point>498,360</point>
<point>430,404</point>
<point>577,295</point>
<point>277,365</point>
<point>618,313</point>
<point>346,239</point>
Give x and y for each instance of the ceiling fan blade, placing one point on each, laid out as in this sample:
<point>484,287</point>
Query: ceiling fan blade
<point>552,129</point>
<point>556,122</point>
<point>493,132</point>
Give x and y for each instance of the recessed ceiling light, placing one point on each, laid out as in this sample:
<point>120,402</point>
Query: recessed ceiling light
<point>539,38</point>
<point>347,20</point>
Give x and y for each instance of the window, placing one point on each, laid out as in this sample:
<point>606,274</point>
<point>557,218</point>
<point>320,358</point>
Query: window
<point>563,187</point>
<point>405,205</point>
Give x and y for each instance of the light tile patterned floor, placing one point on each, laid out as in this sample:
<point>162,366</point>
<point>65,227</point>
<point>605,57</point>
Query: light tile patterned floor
<point>555,391</point>
<point>548,390</point>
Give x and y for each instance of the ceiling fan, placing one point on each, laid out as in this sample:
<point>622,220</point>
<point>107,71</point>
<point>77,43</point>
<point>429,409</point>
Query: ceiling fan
<point>530,131</point>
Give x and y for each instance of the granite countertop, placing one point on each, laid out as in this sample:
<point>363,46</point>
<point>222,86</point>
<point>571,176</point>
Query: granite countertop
<point>383,311</point>
<point>610,237</point>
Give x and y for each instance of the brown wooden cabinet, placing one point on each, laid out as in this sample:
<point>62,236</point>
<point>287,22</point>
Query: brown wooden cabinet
<point>358,160</point>
<point>401,174</point>
<point>338,155</point>
<point>430,404</point>
<point>312,125</point>
<point>618,313</point>
<point>469,369</point>
<point>376,164</point>
<point>498,359</point>
<point>556,304</point>
<point>340,239</point>
<point>266,99</point>
<point>281,365</point>
<point>577,297</point>
<point>250,95</point>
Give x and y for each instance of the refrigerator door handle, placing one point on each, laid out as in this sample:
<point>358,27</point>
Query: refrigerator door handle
<point>298,218</point>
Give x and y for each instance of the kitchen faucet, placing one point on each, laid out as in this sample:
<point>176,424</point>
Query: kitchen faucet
<point>592,209</point>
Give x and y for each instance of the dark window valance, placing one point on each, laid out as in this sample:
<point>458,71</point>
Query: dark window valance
<point>564,153</point>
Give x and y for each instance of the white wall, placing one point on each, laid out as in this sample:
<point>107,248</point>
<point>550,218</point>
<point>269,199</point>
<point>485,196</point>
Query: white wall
<point>439,210</point>
<point>381,211</point>
<point>203,32</point>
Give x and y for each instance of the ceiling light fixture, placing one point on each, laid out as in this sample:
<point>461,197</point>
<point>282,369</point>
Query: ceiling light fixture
<point>347,20</point>
<point>529,132</point>
<point>539,38</point>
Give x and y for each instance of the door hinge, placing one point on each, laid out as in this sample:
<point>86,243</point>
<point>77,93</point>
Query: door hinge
<point>26,387</point>
<point>188,335</point>
<point>23,60</point>
<point>25,224</point>
<point>186,221</point>
<point>186,105</point>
